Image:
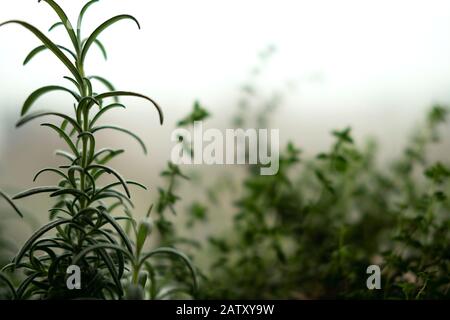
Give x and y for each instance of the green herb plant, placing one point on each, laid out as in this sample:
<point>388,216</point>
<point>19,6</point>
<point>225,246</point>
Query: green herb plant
<point>311,231</point>
<point>176,283</point>
<point>84,229</point>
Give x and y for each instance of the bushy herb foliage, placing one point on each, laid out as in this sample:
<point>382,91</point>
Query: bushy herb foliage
<point>308,232</point>
<point>312,230</point>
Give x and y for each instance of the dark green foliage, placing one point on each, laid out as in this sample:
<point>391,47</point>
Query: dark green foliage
<point>85,221</point>
<point>308,232</point>
<point>312,230</point>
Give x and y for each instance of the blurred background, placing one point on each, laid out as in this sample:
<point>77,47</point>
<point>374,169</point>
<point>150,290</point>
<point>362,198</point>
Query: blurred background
<point>374,65</point>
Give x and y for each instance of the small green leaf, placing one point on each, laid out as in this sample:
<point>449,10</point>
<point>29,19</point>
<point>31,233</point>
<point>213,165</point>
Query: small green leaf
<point>325,182</point>
<point>81,16</point>
<point>34,191</point>
<point>115,184</point>
<point>437,115</point>
<point>39,114</point>
<point>142,278</point>
<point>339,163</point>
<point>74,192</point>
<point>440,196</point>
<point>438,173</point>
<point>104,110</point>
<point>102,49</point>
<point>112,154</point>
<point>99,30</point>
<point>64,136</point>
<point>106,83</point>
<point>197,114</point>
<point>73,82</point>
<point>65,21</point>
<point>87,250</point>
<point>139,140</point>
<point>145,228</point>
<point>131,94</point>
<point>49,44</point>
<point>11,203</point>
<point>67,155</point>
<point>344,135</point>
<point>58,172</point>
<point>39,49</point>
<point>55,25</point>
<point>36,236</point>
<point>111,171</point>
<point>41,91</point>
<point>119,230</point>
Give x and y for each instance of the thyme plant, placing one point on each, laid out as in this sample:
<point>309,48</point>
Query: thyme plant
<point>83,229</point>
<point>311,231</point>
<point>173,285</point>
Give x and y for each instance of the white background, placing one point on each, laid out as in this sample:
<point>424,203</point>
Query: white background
<point>381,63</point>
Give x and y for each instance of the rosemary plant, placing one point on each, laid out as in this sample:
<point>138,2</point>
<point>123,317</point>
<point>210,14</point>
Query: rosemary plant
<point>83,230</point>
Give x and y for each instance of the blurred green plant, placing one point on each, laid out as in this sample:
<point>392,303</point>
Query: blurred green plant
<point>171,274</point>
<point>311,231</point>
<point>86,233</point>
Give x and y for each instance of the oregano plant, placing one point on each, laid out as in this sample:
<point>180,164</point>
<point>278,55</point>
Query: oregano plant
<point>85,227</point>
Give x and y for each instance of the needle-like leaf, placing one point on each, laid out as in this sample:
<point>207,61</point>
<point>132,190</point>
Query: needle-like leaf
<point>11,203</point>
<point>104,110</point>
<point>37,235</point>
<point>58,172</point>
<point>112,154</point>
<point>111,171</point>
<point>35,191</point>
<point>41,48</point>
<point>40,114</point>
<point>55,25</point>
<point>41,91</point>
<point>116,128</point>
<point>132,94</point>
<point>106,83</point>
<point>102,49</point>
<point>49,44</point>
<point>63,135</point>
<point>119,230</point>
<point>65,21</point>
<point>99,30</point>
<point>87,250</point>
<point>81,16</point>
